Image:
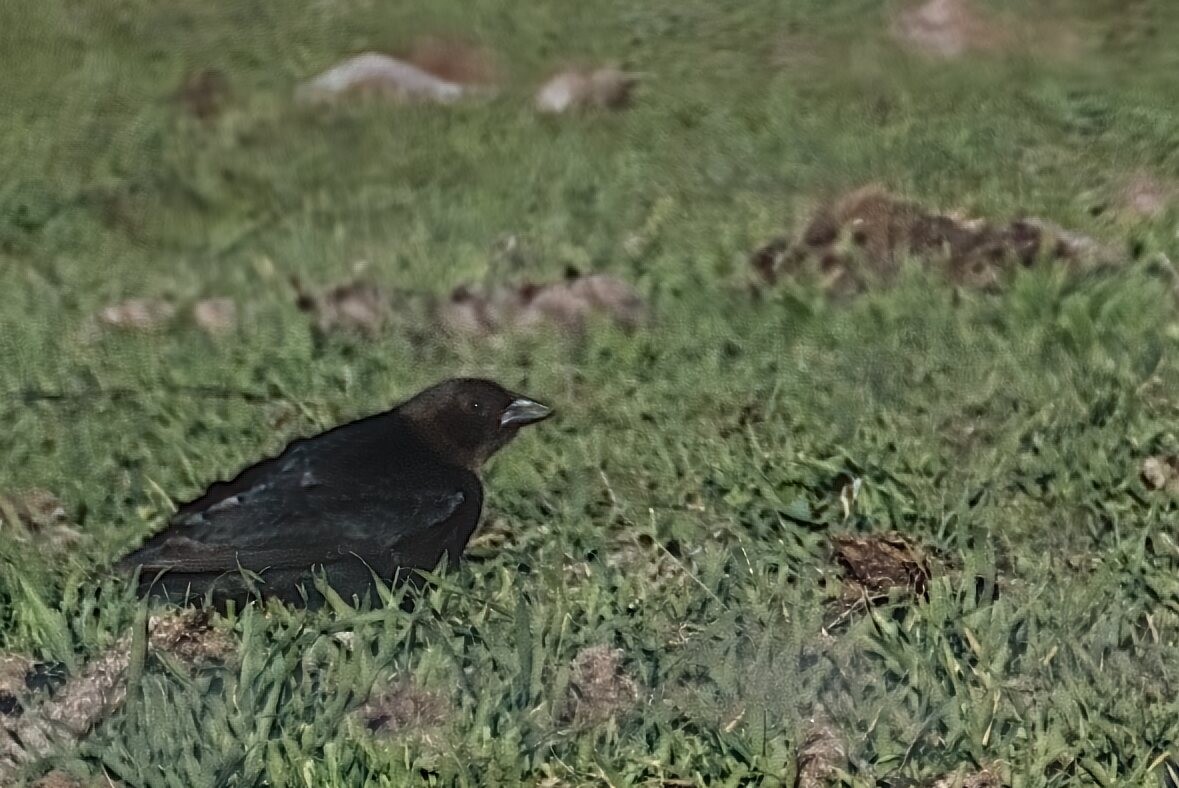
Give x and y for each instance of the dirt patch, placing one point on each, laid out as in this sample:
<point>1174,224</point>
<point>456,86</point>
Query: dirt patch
<point>581,89</point>
<point>13,670</point>
<point>100,687</point>
<point>1145,197</point>
<point>137,314</point>
<point>822,755</point>
<point>947,29</point>
<point>1161,473</point>
<point>969,778</point>
<point>862,239</point>
<point>204,93</point>
<point>404,707</point>
<point>599,687</point>
<point>876,566</point>
<point>215,316</point>
<point>38,514</point>
<point>357,306</point>
<point>566,306</point>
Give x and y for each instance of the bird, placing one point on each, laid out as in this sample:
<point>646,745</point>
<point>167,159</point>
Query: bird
<point>381,496</point>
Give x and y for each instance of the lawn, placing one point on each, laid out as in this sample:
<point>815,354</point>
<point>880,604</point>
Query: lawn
<point>664,588</point>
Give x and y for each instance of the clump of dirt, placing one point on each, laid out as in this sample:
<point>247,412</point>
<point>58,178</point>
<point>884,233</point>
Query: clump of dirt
<point>215,316</point>
<point>454,60</point>
<point>189,636</point>
<point>947,28</point>
<point>1161,473</point>
<point>357,306</point>
<point>204,93</point>
<point>404,706</point>
<point>822,755</point>
<point>565,305</point>
<point>100,687</point>
<point>1147,198</point>
<point>599,687</point>
<point>38,514</point>
<point>969,778</point>
<point>13,670</point>
<point>581,89</point>
<point>863,237</point>
<point>137,314</point>
<point>875,566</point>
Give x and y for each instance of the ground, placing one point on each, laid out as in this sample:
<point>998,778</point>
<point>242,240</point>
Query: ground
<point>775,536</point>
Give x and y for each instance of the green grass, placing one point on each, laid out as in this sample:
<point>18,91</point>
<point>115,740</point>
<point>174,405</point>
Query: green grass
<point>660,512</point>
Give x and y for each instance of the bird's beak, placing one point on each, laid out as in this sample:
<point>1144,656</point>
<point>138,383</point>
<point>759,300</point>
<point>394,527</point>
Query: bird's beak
<point>524,411</point>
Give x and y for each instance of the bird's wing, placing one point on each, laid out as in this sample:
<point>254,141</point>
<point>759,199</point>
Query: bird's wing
<point>294,468</point>
<point>275,528</point>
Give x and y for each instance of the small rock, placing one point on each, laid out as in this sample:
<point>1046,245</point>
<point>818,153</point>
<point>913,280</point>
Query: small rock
<point>599,687</point>
<point>137,314</point>
<point>215,315</point>
<point>375,74</point>
<point>603,88</point>
<point>1161,473</point>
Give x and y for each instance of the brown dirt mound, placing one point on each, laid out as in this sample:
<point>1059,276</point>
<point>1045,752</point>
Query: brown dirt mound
<point>875,566</point>
<point>356,306</point>
<point>599,687</point>
<point>566,305</point>
<point>863,237</point>
<point>404,707</point>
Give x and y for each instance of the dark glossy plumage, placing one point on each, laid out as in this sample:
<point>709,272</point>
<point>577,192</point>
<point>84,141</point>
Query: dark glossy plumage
<point>382,495</point>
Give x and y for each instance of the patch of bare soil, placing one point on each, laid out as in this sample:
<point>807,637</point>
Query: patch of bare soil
<point>204,93</point>
<point>357,306</point>
<point>37,514</point>
<point>1145,197</point>
<point>403,707</point>
<point>876,566</point>
<point>822,755</point>
<point>863,237</point>
<point>215,316</point>
<point>969,778</point>
<point>100,687</point>
<point>599,687</point>
<point>566,306</point>
<point>137,314</point>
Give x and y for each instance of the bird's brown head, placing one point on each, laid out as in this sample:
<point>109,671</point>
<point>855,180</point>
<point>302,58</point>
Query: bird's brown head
<point>466,420</point>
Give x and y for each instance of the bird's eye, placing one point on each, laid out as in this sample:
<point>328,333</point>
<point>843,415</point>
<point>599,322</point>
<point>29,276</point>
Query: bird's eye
<point>475,406</point>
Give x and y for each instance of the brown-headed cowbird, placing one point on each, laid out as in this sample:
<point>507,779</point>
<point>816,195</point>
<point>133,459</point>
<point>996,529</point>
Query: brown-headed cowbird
<point>384,495</point>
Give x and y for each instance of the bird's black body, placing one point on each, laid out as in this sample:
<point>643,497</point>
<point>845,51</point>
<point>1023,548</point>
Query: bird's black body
<point>384,495</point>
